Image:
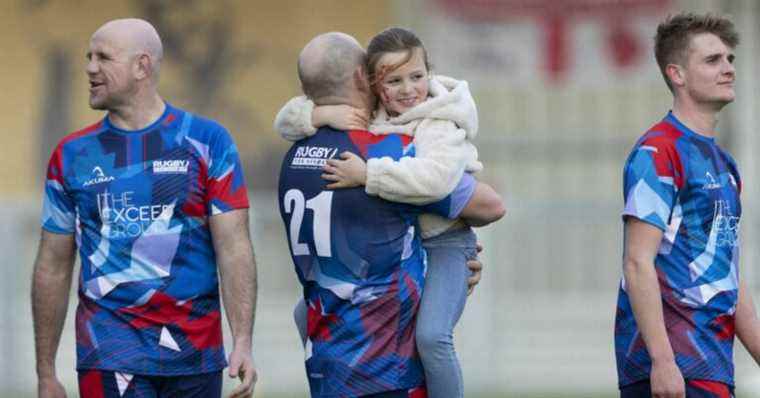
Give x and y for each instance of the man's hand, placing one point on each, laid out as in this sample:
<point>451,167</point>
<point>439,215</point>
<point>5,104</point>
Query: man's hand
<point>476,268</point>
<point>666,380</point>
<point>50,387</point>
<point>51,281</point>
<point>237,271</point>
<point>349,172</point>
<point>241,365</point>
<point>340,117</point>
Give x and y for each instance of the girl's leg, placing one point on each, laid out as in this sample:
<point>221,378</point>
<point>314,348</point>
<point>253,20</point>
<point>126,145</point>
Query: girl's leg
<point>443,300</point>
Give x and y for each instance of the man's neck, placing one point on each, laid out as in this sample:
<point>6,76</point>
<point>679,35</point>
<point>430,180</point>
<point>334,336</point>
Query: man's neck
<point>339,100</point>
<point>700,118</point>
<point>138,114</point>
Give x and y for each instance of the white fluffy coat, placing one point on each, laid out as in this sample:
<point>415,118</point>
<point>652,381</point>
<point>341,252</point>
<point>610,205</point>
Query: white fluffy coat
<point>442,128</point>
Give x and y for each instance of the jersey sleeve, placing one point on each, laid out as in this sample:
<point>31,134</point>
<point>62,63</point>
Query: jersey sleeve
<point>226,188</point>
<point>396,147</point>
<point>452,205</point>
<point>429,176</point>
<point>293,121</point>
<point>58,209</point>
<point>652,178</point>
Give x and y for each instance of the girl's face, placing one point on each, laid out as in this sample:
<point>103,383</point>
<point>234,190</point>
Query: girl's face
<point>404,87</point>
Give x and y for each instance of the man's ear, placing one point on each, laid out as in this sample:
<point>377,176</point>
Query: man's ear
<point>676,75</point>
<point>361,81</point>
<point>144,67</point>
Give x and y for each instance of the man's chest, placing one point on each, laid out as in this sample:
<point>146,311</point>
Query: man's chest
<point>710,201</point>
<point>131,191</point>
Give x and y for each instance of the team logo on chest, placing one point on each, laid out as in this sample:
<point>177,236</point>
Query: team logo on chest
<point>711,182</point>
<point>98,177</point>
<point>177,166</point>
<point>313,157</point>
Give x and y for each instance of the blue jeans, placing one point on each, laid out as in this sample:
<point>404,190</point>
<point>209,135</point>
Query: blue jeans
<point>443,300</point>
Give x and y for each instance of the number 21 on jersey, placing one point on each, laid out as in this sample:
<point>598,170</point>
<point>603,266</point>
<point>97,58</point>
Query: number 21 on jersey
<point>321,205</point>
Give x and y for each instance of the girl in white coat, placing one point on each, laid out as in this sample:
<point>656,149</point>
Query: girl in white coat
<point>440,114</point>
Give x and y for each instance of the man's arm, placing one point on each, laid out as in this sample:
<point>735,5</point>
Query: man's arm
<point>442,156</point>
<point>51,282</point>
<point>747,324</point>
<point>485,206</point>
<point>237,269</point>
<point>642,241</point>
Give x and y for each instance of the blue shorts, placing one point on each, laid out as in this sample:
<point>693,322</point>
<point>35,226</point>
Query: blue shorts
<point>694,389</point>
<point>416,392</point>
<point>109,384</point>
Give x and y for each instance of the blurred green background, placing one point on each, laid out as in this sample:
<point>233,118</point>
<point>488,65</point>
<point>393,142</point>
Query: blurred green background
<point>563,88</point>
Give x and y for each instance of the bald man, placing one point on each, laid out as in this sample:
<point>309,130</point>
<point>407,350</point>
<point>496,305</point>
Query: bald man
<point>154,200</point>
<point>358,257</point>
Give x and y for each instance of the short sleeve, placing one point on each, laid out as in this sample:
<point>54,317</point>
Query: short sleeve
<point>452,205</point>
<point>226,188</point>
<point>651,181</point>
<point>58,209</point>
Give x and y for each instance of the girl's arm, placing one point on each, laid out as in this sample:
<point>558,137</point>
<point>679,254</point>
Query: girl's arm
<point>441,156</point>
<point>299,118</point>
<point>442,152</point>
<point>293,121</point>
<point>442,128</point>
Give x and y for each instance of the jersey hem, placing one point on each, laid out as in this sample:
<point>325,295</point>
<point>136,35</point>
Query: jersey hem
<point>57,231</point>
<point>367,393</point>
<point>236,206</point>
<point>141,373</point>
<point>627,384</point>
<point>625,215</point>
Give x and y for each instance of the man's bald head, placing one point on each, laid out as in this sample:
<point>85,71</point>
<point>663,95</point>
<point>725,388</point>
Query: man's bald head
<point>136,37</point>
<point>327,63</point>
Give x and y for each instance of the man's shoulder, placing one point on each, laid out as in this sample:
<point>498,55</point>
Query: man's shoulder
<point>205,123</point>
<point>201,128</point>
<point>331,142</point>
<point>88,131</point>
<point>659,148</point>
<point>661,135</point>
<point>372,145</point>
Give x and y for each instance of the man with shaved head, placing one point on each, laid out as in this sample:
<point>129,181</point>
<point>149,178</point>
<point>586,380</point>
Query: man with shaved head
<point>154,200</point>
<point>359,257</point>
<point>326,67</point>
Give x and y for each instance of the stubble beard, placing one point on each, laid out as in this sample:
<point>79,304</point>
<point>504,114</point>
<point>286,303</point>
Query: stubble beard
<point>97,105</point>
<point>711,101</point>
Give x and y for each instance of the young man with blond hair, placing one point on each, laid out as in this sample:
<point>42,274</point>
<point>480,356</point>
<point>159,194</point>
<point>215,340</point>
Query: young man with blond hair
<point>680,301</point>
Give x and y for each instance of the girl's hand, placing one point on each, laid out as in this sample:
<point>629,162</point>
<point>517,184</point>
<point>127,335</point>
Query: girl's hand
<point>349,172</point>
<point>340,117</point>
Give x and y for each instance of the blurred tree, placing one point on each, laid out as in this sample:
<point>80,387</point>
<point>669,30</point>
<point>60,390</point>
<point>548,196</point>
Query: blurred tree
<point>201,41</point>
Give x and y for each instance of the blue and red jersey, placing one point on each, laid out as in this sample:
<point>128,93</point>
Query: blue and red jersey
<point>686,185</point>
<point>139,203</point>
<point>361,264</point>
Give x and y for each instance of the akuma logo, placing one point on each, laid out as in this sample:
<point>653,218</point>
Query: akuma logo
<point>711,182</point>
<point>97,177</point>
